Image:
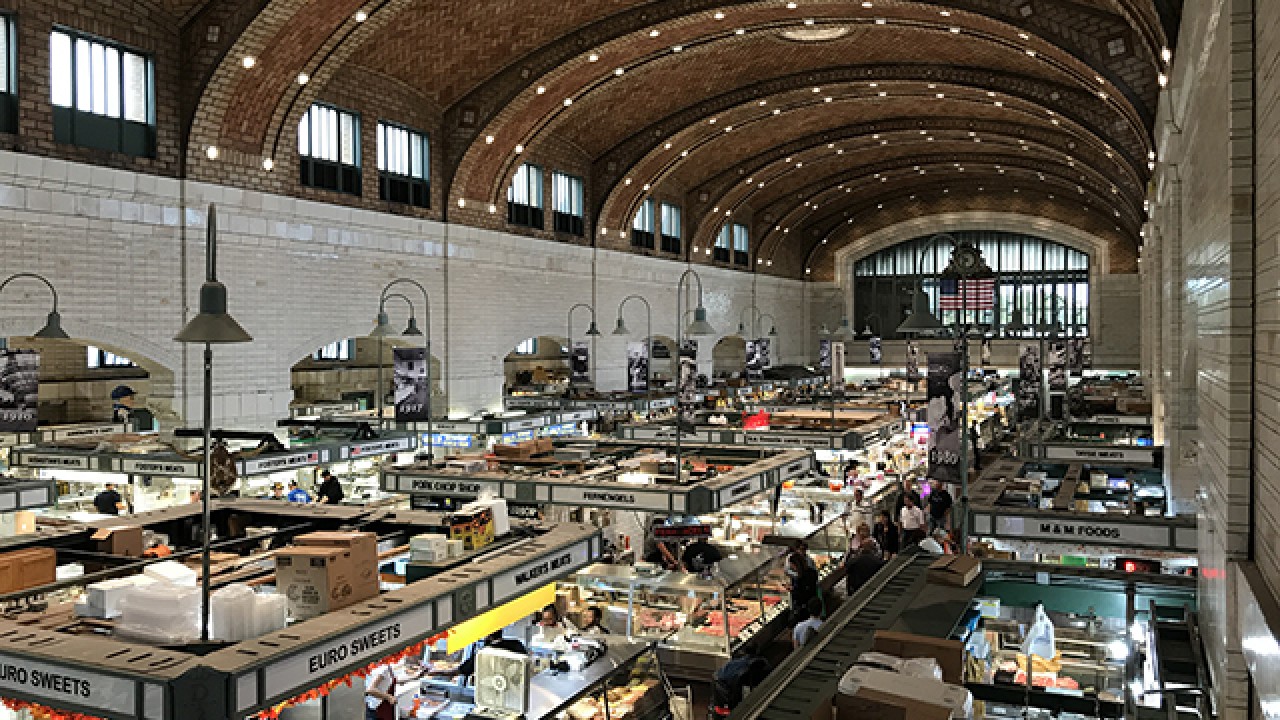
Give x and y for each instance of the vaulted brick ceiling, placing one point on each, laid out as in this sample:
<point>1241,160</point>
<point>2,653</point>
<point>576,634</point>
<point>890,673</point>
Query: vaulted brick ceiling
<point>886,100</point>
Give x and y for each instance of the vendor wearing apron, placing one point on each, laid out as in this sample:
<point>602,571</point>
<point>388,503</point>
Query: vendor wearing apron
<point>380,694</point>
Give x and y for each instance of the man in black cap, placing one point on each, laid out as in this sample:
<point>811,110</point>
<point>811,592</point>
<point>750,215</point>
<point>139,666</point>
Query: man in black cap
<point>330,491</point>
<point>122,403</point>
<point>109,502</point>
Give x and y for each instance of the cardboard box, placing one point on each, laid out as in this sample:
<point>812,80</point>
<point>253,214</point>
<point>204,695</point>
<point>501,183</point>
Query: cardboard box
<point>948,653</point>
<point>363,547</point>
<point>883,695</point>
<point>316,580</point>
<point>24,569</point>
<point>957,570</point>
<point>124,540</point>
<point>512,452</point>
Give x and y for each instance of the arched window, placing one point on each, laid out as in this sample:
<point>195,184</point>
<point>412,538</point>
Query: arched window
<point>1047,281</point>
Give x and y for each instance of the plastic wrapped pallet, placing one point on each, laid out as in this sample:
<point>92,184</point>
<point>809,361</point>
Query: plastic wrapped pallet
<point>160,614</point>
<point>271,612</point>
<point>231,613</point>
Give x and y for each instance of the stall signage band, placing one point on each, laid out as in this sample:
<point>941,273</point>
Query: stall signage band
<point>681,532</point>
<point>1069,452</point>
<point>23,678</point>
<point>306,669</point>
<point>451,440</point>
<point>661,403</point>
<point>619,497</point>
<point>799,467</point>
<point>1117,419</point>
<point>519,436</point>
<point>737,492</point>
<point>536,573</point>
<point>174,468</point>
<point>457,426</point>
<point>79,432</point>
<point>574,416</point>
<point>70,462</point>
<point>449,488</point>
<point>283,462</point>
<point>658,432</point>
<point>1085,532</point>
<point>813,442</point>
<point>380,447</point>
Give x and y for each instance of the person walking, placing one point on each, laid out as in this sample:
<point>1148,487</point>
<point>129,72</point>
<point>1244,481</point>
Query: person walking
<point>885,534</point>
<point>940,504</point>
<point>912,521</point>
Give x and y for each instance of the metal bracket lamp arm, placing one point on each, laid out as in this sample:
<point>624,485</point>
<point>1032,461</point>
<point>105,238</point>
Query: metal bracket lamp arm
<point>426,346</point>
<point>52,329</point>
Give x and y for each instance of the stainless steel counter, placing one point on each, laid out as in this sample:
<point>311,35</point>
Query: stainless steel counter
<point>551,692</point>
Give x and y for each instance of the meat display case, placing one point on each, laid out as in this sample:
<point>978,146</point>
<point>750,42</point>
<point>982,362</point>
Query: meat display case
<point>698,621</point>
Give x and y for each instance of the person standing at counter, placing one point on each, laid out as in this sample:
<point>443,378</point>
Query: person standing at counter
<point>330,490</point>
<point>912,521</point>
<point>297,494</point>
<point>940,503</point>
<point>804,582</point>
<point>552,624</point>
<point>699,556</point>
<point>109,502</point>
<point>380,694</point>
<point>593,619</point>
<point>885,533</point>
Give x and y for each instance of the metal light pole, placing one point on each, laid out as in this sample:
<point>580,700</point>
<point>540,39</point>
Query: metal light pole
<point>622,329</point>
<point>844,334</point>
<point>698,327</point>
<point>382,330</point>
<point>52,329</point>
<point>212,325</point>
<point>773,333</point>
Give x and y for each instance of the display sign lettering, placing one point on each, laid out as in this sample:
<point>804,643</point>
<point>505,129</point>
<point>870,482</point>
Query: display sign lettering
<point>552,566</point>
<point>174,468</point>
<point>79,432</point>
<point>1086,532</point>
<point>302,670</point>
<point>379,447</point>
<point>451,488</point>
<point>24,678</point>
<point>1118,419</point>
<point>610,497</point>
<point>258,466</point>
<point>458,426</point>
<point>658,432</point>
<point>1067,452</point>
<point>451,440</point>
<point>815,442</point>
<point>512,438</point>
<point>681,532</point>
<point>76,462</point>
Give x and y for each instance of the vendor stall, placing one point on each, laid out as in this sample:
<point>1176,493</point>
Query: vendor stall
<point>1120,444</point>
<point>468,435</point>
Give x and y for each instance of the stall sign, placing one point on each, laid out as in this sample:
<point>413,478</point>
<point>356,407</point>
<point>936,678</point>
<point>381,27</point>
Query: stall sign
<point>54,434</point>
<point>561,430</point>
<point>307,669</point>
<point>1085,532</point>
<point>377,447</point>
<point>450,488</point>
<point>662,403</point>
<point>526,424</point>
<point>171,468</point>
<point>616,497</point>
<point>510,438</point>
<point>681,532</point>
<point>462,427</point>
<point>812,442</point>
<point>257,466</point>
<point>1069,452</point>
<point>21,677</point>
<point>658,432</point>
<point>48,460</point>
<point>452,440</point>
<point>576,416</point>
<point>1118,419</point>
<point>539,572</point>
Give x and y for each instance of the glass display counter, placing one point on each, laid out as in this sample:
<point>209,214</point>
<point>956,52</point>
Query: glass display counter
<point>699,622</point>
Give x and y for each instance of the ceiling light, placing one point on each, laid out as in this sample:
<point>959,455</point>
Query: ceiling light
<point>808,270</point>
<point>568,102</point>
<point>268,164</point>
<point>1031,52</point>
<point>880,21</point>
<point>541,89</point>
<point>1102,95</point>
<point>1162,79</point>
<point>1100,79</point>
<point>740,31</point>
<point>884,142</point>
<point>676,48</point>
<point>799,164</point>
<point>762,103</point>
<point>667,146</point>
<point>826,99</point>
<point>654,33</point>
<point>817,90</point>
<point>999,104</point>
<point>791,6</point>
<point>627,181</point>
<point>361,16</point>
<point>729,129</point>
<point>618,71</point>
<point>462,202</point>
<point>776,111</point>
<point>933,85</point>
<point>940,96</point>
<point>303,78</point>
<point>493,209</point>
<point>1166,54</point>
<point>248,61</point>
<point>593,57</point>
<point>711,121</point>
<point>955,29</point>
<point>519,149</point>
<point>211,152</point>
<point>488,139</point>
<point>604,231</point>
<point>750,180</point>
<point>719,16</point>
<point>944,13</point>
<point>991,93</point>
<point>884,93</point>
<point>646,187</point>
<point>808,21</point>
<point>1024,36</point>
<point>684,153</point>
<point>866,3</point>
<point>1055,121</point>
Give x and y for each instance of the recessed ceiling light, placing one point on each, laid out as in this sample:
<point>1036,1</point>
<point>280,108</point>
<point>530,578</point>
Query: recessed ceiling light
<point>880,21</point>
<point>462,202</point>
<point>541,89</point>
<point>1102,95</point>
<point>676,48</point>
<point>808,21</point>
<point>884,93</point>
<point>667,146</point>
<point>1024,36</point>
<point>684,153</point>
<point>1031,52</point>
<point>924,132</point>
<point>1166,54</point>
<point>711,121</point>
<point>740,31</point>
<point>776,111</point>
<point>944,13</point>
<point>940,96</point>
<point>719,16</point>
<point>303,78</point>
<point>627,181</point>
<point>568,102</point>
<point>655,33</point>
<point>361,16</point>
<point>593,57</point>
<point>211,152</point>
<point>791,6</point>
<point>1100,79</point>
<point>646,187</point>
<point>268,164</point>
<point>493,209</point>
<point>729,129</point>
<point>762,103</point>
<point>488,139</point>
<point>618,71</point>
<point>826,99</point>
<point>248,61</point>
<point>519,149</point>
<point>932,85</point>
<point>1162,79</point>
<point>955,29</point>
<point>999,104</point>
<point>866,3</point>
<point>817,90</point>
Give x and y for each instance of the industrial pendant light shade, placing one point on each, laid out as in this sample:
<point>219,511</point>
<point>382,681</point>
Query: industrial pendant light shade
<point>621,328</point>
<point>921,319</point>
<point>700,326</point>
<point>52,329</point>
<point>845,333</point>
<point>381,326</point>
<point>824,331</point>
<point>412,329</point>
<point>742,329</point>
<point>212,325</point>
<point>773,331</point>
<point>866,331</point>
<point>592,330</point>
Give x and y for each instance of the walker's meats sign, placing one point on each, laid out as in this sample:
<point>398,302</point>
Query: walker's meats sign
<point>19,385</point>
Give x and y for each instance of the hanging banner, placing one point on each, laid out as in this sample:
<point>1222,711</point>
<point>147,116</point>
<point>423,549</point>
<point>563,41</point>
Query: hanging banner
<point>410,381</point>
<point>1086,354</point>
<point>824,354</point>
<point>757,358</point>
<point>1075,357</point>
<point>913,361</point>
<point>19,390</point>
<point>580,363</point>
<point>1029,381</point>
<point>638,367</point>
<point>1057,362</point>
<point>944,415</point>
<point>837,367</point>
<point>986,351</point>
<point>873,348</point>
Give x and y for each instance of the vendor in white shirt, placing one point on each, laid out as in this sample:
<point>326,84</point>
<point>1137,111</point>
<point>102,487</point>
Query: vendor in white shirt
<point>551,625</point>
<point>380,694</point>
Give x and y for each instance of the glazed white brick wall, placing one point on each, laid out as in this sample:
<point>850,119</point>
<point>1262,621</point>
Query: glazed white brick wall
<point>126,252</point>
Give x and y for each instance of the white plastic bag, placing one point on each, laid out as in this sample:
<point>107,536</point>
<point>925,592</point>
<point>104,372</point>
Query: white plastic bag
<point>922,668</point>
<point>1040,641</point>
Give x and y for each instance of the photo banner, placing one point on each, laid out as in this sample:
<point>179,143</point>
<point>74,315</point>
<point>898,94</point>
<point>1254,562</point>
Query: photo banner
<point>19,390</point>
<point>913,361</point>
<point>1057,363</point>
<point>874,350</point>
<point>824,354</point>
<point>687,386</point>
<point>757,358</point>
<point>638,367</point>
<point>945,415</point>
<point>580,363</point>
<point>837,367</point>
<point>1075,357</point>
<point>410,380</point>
<point>1086,354</point>
<point>1029,380</point>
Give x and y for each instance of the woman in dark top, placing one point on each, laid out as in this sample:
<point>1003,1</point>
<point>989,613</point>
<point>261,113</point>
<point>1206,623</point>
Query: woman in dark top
<point>885,533</point>
<point>592,619</point>
<point>804,582</point>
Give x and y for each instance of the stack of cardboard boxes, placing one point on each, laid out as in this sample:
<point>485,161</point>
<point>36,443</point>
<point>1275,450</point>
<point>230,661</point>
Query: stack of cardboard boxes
<point>327,571</point>
<point>25,569</point>
<point>524,450</point>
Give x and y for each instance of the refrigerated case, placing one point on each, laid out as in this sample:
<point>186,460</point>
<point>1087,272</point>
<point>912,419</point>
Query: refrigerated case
<point>698,622</point>
<point>753,525</point>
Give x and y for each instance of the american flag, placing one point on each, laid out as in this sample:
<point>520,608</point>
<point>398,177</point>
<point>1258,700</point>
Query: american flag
<point>956,294</point>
